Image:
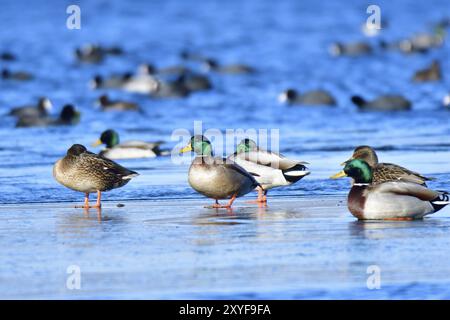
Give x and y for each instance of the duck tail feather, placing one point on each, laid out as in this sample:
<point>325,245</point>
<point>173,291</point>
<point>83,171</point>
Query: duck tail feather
<point>440,201</point>
<point>130,176</point>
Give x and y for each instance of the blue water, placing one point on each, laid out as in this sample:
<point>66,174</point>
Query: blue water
<point>286,41</point>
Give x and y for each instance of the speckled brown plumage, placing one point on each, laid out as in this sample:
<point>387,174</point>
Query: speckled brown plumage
<point>87,172</point>
<point>384,172</point>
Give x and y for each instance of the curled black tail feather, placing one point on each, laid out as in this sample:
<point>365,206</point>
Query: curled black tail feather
<point>441,201</point>
<point>293,179</point>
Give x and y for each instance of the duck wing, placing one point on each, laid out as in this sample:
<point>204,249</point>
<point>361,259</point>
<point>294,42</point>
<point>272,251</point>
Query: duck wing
<point>390,172</point>
<point>105,166</point>
<point>229,164</point>
<point>271,159</point>
<point>408,189</point>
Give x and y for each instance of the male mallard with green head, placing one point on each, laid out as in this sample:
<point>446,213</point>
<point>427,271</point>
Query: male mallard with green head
<point>383,172</point>
<point>215,177</point>
<point>84,171</point>
<point>132,149</point>
<point>270,169</point>
<point>389,200</point>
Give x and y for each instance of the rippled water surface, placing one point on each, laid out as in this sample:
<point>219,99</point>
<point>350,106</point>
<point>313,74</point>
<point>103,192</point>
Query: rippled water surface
<point>286,41</point>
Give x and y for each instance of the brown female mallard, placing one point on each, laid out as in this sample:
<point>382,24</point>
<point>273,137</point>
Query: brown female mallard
<point>84,171</point>
<point>383,172</point>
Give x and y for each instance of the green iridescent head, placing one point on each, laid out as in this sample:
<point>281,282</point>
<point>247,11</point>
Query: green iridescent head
<point>357,169</point>
<point>246,145</point>
<point>200,145</point>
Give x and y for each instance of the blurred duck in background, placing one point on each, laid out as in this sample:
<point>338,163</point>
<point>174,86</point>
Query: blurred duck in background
<point>42,109</point>
<point>418,43</point>
<point>194,82</point>
<point>132,149</point>
<point>16,75</point>
<point>7,56</point>
<point>446,101</point>
<point>212,65</point>
<point>116,105</point>
<point>310,98</point>
<point>148,69</point>
<point>68,116</point>
<point>170,89</point>
<point>349,49</point>
<point>191,80</point>
<point>382,103</point>
<point>141,83</point>
<point>113,82</point>
<point>432,73</point>
<point>89,54</point>
<point>92,53</point>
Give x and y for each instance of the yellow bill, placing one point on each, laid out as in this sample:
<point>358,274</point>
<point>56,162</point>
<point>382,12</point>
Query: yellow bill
<point>97,143</point>
<point>186,149</point>
<point>340,174</point>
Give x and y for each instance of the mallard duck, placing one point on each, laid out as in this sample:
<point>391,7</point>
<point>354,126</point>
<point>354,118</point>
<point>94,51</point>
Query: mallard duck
<point>86,172</point>
<point>68,116</point>
<point>127,150</point>
<point>432,73</point>
<point>215,177</point>
<point>349,49</point>
<point>390,200</point>
<point>384,172</point>
<point>116,105</point>
<point>42,109</point>
<point>311,98</point>
<point>16,75</point>
<point>269,169</point>
<point>383,103</point>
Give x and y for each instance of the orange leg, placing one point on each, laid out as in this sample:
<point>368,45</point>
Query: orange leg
<point>86,201</point>
<point>228,205</point>
<point>262,198</point>
<point>99,200</point>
